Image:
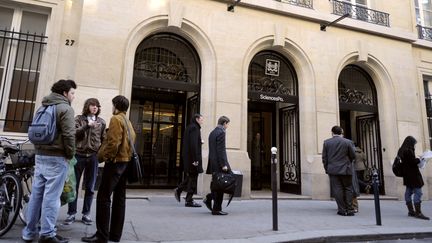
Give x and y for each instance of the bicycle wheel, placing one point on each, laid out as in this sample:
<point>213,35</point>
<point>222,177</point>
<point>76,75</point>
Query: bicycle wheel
<point>26,181</point>
<point>10,198</point>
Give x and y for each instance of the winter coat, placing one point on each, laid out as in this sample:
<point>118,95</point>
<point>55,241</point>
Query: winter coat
<point>338,155</point>
<point>412,176</point>
<point>115,147</point>
<point>88,139</point>
<point>217,151</point>
<point>64,143</point>
<point>191,150</point>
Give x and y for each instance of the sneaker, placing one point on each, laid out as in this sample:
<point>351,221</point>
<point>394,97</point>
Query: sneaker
<point>86,220</point>
<point>69,219</point>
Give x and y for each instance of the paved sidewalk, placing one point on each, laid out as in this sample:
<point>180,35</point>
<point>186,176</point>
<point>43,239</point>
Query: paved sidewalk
<point>162,219</point>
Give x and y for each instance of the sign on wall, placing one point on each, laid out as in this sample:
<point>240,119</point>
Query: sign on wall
<point>272,67</point>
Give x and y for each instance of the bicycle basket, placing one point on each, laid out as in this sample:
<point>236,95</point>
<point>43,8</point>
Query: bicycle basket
<point>23,158</point>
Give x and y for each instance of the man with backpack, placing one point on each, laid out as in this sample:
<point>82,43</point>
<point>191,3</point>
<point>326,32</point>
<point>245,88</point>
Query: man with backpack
<point>52,158</point>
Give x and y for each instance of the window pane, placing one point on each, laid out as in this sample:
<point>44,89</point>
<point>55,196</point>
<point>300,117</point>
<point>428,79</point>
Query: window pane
<point>427,18</point>
<point>33,23</point>
<point>6,15</point>
<point>426,4</point>
<point>418,16</point>
<point>19,115</point>
<point>361,2</point>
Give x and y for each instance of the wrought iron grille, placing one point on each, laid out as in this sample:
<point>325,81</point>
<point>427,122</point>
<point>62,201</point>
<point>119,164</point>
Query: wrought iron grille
<point>300,3</point>
<point>356,87</point>
<point>428,100</point>
<point>269,85</point>
<point>352,96</point>
<point>424,33</point>
<point>291,160</point>
<point>361,13</point>
<point>20,61</point>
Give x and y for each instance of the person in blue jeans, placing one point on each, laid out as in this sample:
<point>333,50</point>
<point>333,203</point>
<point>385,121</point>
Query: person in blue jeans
<point>51,168</point>
<point>90,131</point>
<point>412,177</point>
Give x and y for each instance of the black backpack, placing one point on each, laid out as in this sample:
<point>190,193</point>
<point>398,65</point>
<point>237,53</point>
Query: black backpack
<point>397,167</point>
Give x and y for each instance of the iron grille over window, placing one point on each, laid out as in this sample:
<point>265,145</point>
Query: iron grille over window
<point>20,55</point>
<point>300,3</point>
<point>424,33</point>
<point>428,100</point>
<point>167,57</point>
<point>360,13</point>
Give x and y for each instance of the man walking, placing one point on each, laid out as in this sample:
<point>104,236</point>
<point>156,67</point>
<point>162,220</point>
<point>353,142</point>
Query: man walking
<point>90,131</point>
<point>192,160</point>
<point>51,167</point>
<point>337,156</point>
<point>218,162</point>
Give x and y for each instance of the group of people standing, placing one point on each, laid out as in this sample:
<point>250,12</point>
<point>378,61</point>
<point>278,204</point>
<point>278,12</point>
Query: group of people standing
<point>85,138</point>
<point>192,162</point>
<point>338,155</point>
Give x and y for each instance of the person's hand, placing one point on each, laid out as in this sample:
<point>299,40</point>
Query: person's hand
<point>225,168</point>
<point>195,163</point>
<point>91,123</point>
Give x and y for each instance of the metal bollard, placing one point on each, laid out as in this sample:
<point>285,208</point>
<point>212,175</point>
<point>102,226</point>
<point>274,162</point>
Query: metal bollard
<point>375,182</point>
<point>274,187</point>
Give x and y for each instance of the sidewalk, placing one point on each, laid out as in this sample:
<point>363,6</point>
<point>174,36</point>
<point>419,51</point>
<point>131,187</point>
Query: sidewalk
<point>160,218</point>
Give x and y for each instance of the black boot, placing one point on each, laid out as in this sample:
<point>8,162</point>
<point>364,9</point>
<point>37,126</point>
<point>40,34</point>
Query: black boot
<point>411,212</point>
<point>418,212</point>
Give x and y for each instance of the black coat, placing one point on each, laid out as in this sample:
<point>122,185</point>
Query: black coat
<point>191,150</point>
<point>412,176</point>
<point>217,151</point>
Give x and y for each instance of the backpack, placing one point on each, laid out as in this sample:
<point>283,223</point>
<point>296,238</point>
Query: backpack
<point>43,129</point>
<point>397,167</point>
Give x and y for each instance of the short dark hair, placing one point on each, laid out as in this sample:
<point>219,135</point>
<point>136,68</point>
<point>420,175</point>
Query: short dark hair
<point>63,86</point>
<point>223,120</point>
<point>121,103</point>
<point>88,103</point>
<point>337,130</point>
<point>195,117</point>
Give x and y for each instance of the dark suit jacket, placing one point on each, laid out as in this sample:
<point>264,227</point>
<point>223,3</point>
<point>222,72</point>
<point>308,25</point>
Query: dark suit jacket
<point>338,155</point>
<point>217,151</point>
<point>191,151</point>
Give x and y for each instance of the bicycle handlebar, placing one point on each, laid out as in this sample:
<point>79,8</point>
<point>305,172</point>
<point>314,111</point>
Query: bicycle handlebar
<point>8,140</point>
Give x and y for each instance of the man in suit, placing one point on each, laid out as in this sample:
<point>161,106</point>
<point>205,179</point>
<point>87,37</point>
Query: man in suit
<point>192,160</point>
<point>337,156</point>
<point>217,162</point>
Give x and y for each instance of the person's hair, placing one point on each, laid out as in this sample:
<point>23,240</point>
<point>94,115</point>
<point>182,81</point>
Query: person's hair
<point>408,144</point>
<point>195,117</point>
<point>63,86</point>
<point>337,130</point>
<point>121,103</point>
<point>223,120</point>
<point>88,103</point>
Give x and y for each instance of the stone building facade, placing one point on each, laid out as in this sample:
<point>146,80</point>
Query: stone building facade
<point>281,70</point>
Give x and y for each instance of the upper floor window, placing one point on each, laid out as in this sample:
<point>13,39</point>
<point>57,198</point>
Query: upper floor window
<point>363,3</point>
<point>423,10</point>
<point>22,44</point>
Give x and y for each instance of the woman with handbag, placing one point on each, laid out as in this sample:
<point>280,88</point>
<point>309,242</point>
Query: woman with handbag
<point>218,162</point>
<point>116,152</point>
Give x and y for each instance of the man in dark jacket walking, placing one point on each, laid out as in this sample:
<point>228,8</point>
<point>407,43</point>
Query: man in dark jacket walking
<point>51,167</point>
<point>217,162</point>
<point>337,156</point>
<point>192,160</point>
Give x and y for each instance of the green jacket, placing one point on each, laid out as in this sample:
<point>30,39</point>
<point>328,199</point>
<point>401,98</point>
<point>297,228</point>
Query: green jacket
<point>64,144</point>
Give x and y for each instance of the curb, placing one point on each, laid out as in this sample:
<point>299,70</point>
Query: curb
<point>365,237</point>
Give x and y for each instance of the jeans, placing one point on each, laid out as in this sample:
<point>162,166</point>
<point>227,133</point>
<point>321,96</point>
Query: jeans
<point>417,194</point>
<point>189,185</point>
<point>49,177</point>
<point>90,167</point>
<point>113,181</point>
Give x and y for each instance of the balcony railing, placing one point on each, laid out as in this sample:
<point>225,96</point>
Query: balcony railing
<point>361,13</point>
<point>424,33</point>
<point>300,3</point>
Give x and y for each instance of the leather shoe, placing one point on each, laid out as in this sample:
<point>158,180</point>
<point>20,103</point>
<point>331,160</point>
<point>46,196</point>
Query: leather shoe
<point>208,202</point>
<point>54,239</point>
<point>219,213</point>
<point>177,193</point>
<point>192,204</point>
<point>93,239</point>
<point>348,213</point>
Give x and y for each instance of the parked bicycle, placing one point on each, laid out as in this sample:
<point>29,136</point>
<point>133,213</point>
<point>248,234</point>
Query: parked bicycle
<point>15,182</point>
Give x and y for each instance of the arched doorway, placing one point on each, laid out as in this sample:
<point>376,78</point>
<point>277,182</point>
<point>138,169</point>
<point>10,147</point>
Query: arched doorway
<point>165,94</point>
<point>273,121</point>
<point>359,118</point>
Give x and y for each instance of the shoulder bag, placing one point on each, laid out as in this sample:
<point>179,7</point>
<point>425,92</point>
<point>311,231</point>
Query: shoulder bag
<point>134,172</point>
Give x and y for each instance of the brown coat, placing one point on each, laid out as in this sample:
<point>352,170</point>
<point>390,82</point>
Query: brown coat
<point>115,147</point>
